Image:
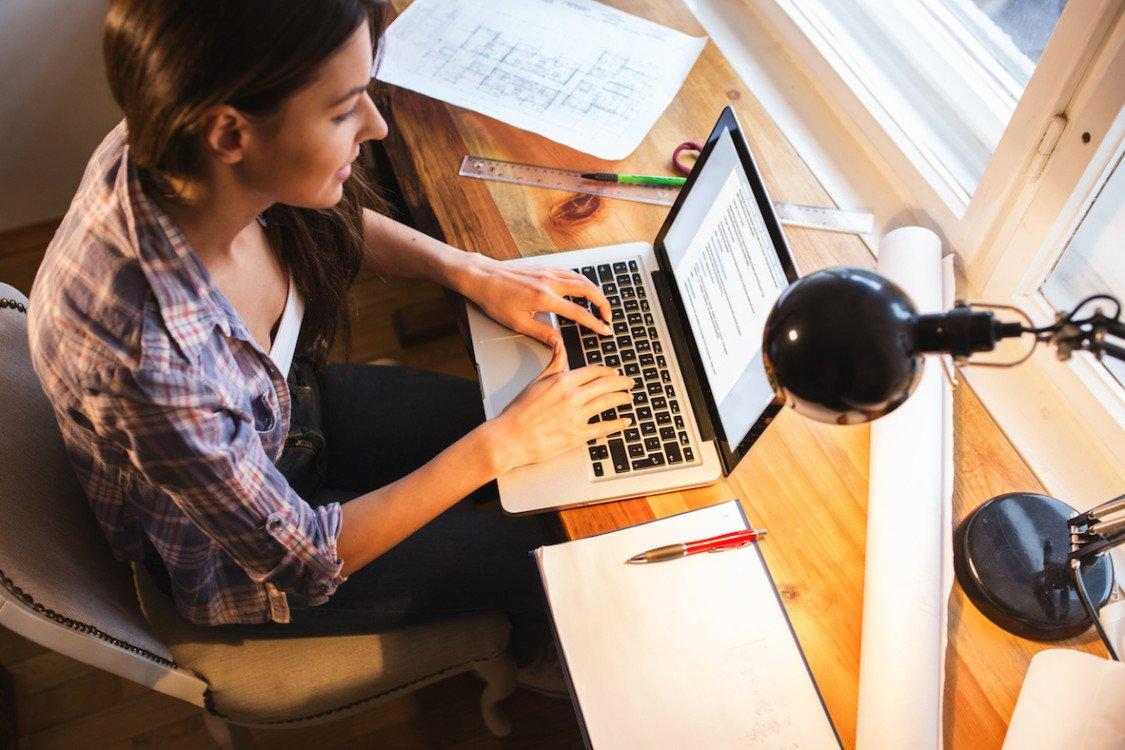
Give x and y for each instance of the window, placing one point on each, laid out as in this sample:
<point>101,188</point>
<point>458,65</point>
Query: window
<point>1094,259</point>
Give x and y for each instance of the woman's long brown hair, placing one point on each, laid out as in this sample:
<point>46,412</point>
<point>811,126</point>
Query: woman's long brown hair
<point>169,61</point>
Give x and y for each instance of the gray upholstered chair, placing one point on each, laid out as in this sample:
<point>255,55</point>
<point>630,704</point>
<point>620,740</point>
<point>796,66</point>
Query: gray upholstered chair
<point>61,587</point>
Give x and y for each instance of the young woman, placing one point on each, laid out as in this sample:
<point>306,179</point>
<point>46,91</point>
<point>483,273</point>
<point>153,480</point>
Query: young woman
<point>204,262</point>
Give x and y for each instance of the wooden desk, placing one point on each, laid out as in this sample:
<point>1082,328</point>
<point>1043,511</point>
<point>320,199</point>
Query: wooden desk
<point>805,482</point>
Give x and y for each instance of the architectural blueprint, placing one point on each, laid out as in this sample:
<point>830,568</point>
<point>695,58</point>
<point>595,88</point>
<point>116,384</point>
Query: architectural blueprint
<point>578,72</point>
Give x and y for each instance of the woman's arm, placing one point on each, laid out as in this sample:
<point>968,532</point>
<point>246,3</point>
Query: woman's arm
<point>549,417</point>
<point>510,294</point>
<point>394,249</point>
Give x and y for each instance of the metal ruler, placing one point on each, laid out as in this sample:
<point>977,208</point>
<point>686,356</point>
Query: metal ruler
<point>531,175</point>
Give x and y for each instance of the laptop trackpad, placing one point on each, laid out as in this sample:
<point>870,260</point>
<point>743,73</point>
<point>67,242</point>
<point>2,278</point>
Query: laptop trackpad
<point>506,367</point>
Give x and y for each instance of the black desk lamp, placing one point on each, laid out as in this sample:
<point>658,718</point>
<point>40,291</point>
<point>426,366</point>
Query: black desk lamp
<point>845,345</point>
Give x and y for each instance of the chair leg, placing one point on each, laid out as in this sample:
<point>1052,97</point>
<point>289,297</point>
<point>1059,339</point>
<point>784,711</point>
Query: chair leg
<point>499,675</point>
<point>229,736</point>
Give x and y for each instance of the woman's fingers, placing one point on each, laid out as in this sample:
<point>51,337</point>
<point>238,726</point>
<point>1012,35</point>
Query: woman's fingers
<point>576,312</point>
<point>538,330</point>
<point>558,361</point>
<point>613,383</point>
<point>578,285</point>
<point>604,429</point>
<point>606,401</point>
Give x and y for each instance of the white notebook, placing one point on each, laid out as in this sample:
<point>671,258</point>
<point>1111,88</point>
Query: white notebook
<point>695,652</point>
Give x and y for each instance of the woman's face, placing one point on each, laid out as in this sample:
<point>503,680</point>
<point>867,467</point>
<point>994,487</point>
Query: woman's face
<point>302,154</point>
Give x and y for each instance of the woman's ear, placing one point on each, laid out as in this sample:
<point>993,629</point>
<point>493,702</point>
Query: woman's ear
<point>225,132</point>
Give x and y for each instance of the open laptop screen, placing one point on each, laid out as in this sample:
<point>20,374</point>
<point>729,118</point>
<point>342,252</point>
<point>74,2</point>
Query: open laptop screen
<point>728,268</point>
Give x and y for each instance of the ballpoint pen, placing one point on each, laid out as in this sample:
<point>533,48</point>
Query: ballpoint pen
<point>733,540</point>
<point>635,179</point>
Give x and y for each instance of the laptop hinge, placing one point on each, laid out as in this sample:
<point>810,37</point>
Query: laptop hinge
<point>692,381</point>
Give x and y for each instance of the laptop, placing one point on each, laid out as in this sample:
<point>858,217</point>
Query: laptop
<point>688,312</point>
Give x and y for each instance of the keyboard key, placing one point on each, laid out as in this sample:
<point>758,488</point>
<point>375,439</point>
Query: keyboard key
<point>620,459</point>
<point>590,274</point>
<point>636,450</point>
<point>629,292</point>
<point>632,435</point>
<point>666,376</point>
<point>632,265</point>
<point>605,273</point>
<point>589,342</point>
<point>688,455</point>
<point>643,345</point>
<point>662,417</point>
<point>637,279</point>
<point>648,319</point>
<point>616,314</point>
<point>648,428</point>
<point>609,415</point>
<point>673,452</point>
<point>624,281</point>
<point>599,452</point>
<point>628,355</point>
<point>678,421</point>
<point>656,458</point>
<point>593,420</point>
<point>598,470</point>
<point>640,292</point>
<point>609,347</point>
<point>643,463</point>
<point>654,389</point>
<point>634,319</point>
<point>674,406</point>
<point>658,402</point>
<point>623,342</point>
<point>620,328</point>
<point>614,301</point>
<point>644,305</point>
<point>612,360</point>
<point>667,433</point>
<point>661,362</point>
<point>652,444</point>
<point>594,357</point>
<point>638,384</point>
<point>646,360</point>
<point>609,288</point>
<point>684,438</point>
<point>656,347</point>
<point>630,305</point>
<point>649,373</point>
<point>573,344</point>
<point>670,391</point>
<point>653,333</point>
<point>644,412</point>
<point>632,369</point>
<point>620,267</point>
<point>638,332</point>
<point>639,398</point>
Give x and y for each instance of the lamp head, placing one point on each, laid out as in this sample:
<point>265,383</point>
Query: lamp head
<point>839,346</point>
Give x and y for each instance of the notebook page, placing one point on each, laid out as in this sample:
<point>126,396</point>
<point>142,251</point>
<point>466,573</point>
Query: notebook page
<point>695,652</point>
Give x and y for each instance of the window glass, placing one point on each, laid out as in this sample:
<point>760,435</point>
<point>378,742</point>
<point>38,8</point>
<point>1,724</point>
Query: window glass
<point>1094,259</point>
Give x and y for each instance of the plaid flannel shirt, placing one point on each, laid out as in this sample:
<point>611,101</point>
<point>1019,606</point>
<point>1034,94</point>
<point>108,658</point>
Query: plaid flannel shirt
<point>172,415</point>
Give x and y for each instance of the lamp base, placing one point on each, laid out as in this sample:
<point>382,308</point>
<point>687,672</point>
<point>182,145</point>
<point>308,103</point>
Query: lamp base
<point>1010,556</point>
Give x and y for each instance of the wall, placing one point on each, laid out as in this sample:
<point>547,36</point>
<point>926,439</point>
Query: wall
<point>55,105</point>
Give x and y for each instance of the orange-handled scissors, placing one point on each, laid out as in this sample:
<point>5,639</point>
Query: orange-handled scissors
<point>685,147</point>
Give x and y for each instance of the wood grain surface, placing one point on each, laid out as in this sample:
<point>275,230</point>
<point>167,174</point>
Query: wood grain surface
<point>805,482</point>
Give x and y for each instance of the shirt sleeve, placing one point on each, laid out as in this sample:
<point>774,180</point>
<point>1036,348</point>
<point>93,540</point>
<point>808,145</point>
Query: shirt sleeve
<point>206,455</point>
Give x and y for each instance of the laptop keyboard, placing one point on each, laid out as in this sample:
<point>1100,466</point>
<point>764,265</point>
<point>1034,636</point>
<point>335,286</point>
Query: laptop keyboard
<point>659,436</point>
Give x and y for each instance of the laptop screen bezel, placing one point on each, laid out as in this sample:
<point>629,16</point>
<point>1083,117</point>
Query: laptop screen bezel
<point>730,453</point>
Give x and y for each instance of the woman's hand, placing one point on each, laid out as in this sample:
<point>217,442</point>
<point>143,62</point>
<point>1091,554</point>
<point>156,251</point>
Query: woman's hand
<point>512,294</point>
<point>552,413</point>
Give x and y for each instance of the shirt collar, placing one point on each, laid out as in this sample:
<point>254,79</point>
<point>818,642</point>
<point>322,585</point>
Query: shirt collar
<point>189,302</point>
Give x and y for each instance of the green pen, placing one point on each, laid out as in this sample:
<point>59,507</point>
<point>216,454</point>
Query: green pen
<point>635,179</point>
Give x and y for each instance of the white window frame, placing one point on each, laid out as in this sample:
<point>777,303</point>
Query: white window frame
<point>796,75</point>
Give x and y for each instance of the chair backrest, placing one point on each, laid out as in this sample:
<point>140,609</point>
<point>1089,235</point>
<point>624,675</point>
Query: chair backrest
<point>60,585</point>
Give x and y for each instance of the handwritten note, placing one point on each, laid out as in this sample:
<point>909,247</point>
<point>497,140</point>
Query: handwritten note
<point>696,652</point>
<point>578,72</point>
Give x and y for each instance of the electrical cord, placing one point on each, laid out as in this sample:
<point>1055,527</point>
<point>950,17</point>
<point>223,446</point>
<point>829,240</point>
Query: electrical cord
<point>1080,585</point>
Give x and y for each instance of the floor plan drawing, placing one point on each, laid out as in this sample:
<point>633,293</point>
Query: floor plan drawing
<point>575,71</point>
